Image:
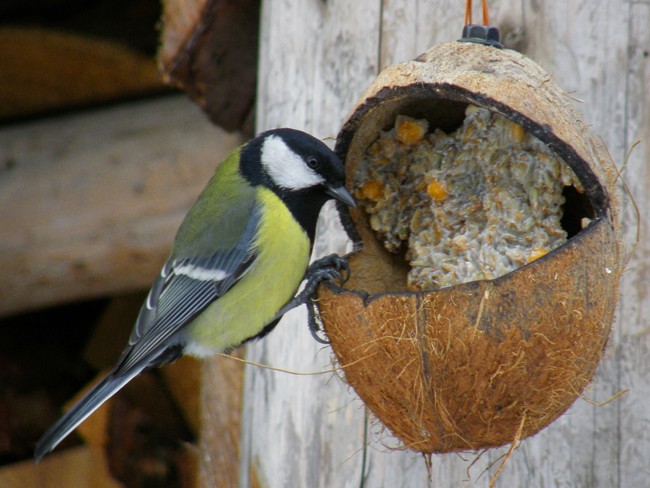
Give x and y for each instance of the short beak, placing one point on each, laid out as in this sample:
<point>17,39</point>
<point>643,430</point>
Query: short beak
<point>341,194</point>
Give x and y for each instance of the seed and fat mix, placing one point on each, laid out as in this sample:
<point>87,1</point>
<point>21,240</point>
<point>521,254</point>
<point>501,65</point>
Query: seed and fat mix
<point>473,204</point>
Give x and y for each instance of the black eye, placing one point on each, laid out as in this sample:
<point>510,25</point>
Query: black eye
<point>313,163</point>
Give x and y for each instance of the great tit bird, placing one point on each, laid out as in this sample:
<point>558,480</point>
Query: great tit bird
<point>236,264</point>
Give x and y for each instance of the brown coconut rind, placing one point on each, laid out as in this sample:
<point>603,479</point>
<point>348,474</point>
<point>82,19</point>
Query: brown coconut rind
<point>471,366</point>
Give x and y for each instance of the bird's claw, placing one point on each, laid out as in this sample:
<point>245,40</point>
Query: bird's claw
<point>328,268</point>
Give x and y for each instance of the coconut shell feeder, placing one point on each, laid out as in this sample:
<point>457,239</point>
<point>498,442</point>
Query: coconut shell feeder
<point>482,363</point>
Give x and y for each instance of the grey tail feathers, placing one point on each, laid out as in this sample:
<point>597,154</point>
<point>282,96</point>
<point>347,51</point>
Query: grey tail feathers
<point>94,399</point>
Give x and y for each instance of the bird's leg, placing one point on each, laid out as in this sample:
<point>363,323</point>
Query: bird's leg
<point>314,321</point>
<point>329,268</point>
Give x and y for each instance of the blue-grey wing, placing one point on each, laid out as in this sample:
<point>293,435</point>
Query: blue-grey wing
<point>184,288</point>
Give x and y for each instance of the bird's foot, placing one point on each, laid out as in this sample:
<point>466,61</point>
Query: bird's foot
<point>328,268</point>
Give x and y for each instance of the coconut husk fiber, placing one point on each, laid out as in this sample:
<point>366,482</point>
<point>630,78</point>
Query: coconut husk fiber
<point>477,364</point>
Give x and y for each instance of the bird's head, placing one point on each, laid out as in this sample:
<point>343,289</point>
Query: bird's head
<point>295,165</point>
<point>299,168</point>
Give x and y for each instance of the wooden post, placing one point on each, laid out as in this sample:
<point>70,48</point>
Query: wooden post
<point>316,59</point>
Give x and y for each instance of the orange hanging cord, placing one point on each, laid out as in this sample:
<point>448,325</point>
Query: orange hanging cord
<point>486,14</point>
<point>468,12</point>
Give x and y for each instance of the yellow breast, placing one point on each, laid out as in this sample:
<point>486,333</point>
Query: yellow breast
<point>283,256</point>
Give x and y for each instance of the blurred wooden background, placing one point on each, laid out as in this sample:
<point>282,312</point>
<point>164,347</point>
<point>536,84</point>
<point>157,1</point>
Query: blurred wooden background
<point>92,190</point>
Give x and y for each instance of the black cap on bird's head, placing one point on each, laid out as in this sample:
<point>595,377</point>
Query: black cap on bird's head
<point>299,168</point>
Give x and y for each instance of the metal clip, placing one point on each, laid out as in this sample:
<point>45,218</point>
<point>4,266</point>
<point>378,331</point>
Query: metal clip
<point>487,35</point>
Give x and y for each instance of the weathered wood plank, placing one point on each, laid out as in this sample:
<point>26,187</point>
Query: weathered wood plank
<point>598,52</point>
<point>91,202</point>
<point>315,60</point>
<point>633,348</point>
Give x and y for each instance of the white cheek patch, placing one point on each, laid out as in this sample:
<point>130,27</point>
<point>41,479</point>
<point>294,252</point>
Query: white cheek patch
<point>285,167</point>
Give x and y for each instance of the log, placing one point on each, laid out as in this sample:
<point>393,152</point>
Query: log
<point>209,49</point>
<point>91,202</point>
<point>45,70</point>
<point>148,441</point>
<point>221,402</point>
<point>81,466</point>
